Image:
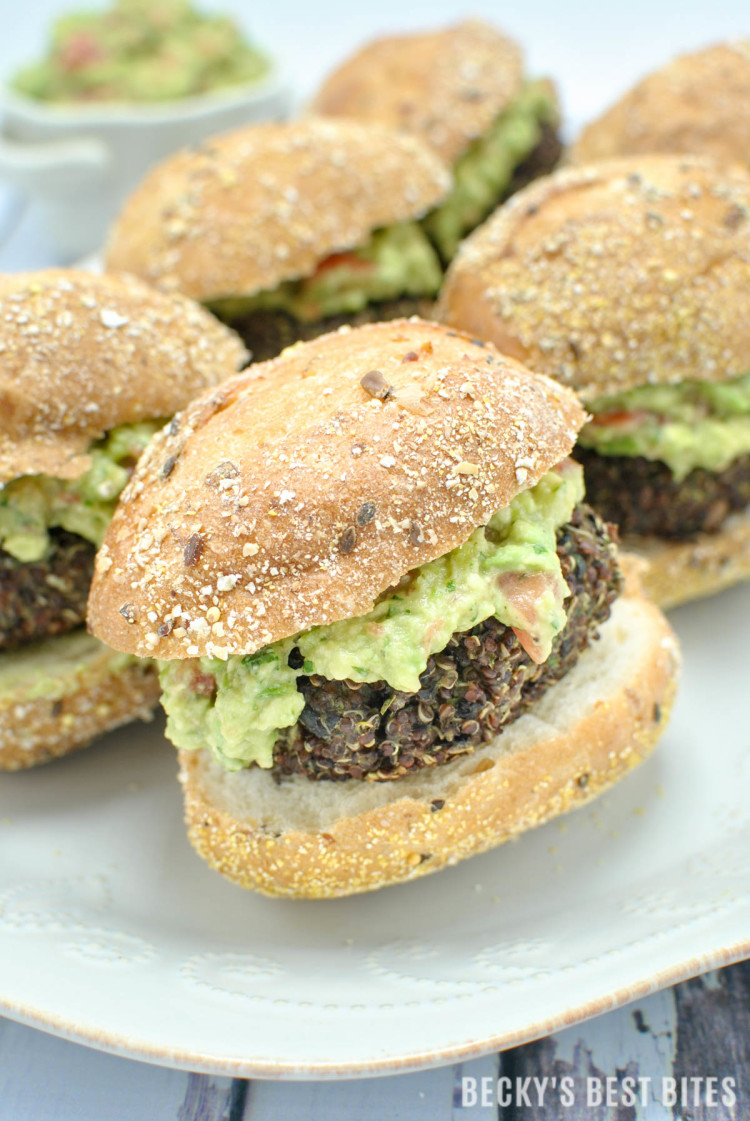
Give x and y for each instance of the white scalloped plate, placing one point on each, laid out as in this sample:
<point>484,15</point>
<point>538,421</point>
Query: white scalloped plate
<point>113,933</point>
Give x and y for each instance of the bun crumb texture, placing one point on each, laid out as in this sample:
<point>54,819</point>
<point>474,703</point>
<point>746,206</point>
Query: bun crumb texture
<point>81,354</point>
<point>614,275</point>
<point>296,493</point>
<point>268,203</point>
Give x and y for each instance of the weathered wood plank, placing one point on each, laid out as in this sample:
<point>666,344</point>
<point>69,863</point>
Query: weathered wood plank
<point>682,1053</point>
<point>607,1069</point>
<point>213,1099</point>
<point>467,1077</point>
<point>713,1039</point>
<point>47,1079</point>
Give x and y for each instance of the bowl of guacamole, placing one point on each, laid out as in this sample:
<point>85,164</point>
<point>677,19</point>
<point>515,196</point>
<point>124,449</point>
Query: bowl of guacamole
<point>141,51</point>
<point>115,91</point>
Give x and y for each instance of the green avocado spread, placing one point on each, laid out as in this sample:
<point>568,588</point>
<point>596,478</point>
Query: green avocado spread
<point>508,568</point>
<point>688,425</point>
<point>54,668</point>
<point>396,261</point>
<point>484,172</point>
<point>33,504</point>
<point>141,50</point>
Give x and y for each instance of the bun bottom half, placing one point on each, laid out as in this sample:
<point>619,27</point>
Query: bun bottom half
<point>680,571</point>
<point>59,694</point>
<point>327,839</point>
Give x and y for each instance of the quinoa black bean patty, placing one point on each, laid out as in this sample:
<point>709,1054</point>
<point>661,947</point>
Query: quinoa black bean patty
<point>482,681</point>
<point>46,597</point>
<point>266,332</point>
<point>642,496</point>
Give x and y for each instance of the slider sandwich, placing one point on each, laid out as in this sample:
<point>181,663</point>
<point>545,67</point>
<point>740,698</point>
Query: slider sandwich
<point>630,282</point>
<point>463,91</point>
<point>289,230</point>
<point>90,368</point>
<point>697,104</point>
<point>391,631</point>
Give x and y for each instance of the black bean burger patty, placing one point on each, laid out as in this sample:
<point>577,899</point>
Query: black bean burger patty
<point>541,160</point>
<point>642,496</point>
<point>46,597</point>
<point>266,332</point>
<point>480,682</point>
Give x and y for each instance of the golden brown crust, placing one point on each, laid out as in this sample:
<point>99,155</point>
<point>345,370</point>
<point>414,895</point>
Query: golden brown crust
<point>445,86</point>
<point>588,731</point>
<point>80,354</point>
<point>699,103</point>
<point>678,572</point>
<point>106,692</point>
<point>291,496</point>
<point>267,203</point>
<point>613,275</point>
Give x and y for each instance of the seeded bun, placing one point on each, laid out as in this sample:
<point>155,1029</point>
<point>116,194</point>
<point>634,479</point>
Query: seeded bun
<point>678,572</point>
<point>58,695</point>
<point>267,203</point>
<point>446,87</point>
<point>614,275</point>
<point>318,840</point>
<point>299,491</point>
<point>80,354</point>
<point>698,103</point>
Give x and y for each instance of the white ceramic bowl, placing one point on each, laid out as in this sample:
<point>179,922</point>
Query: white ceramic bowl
<point>81,161</point>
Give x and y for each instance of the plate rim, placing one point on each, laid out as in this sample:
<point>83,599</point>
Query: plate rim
<point>128,1047</point>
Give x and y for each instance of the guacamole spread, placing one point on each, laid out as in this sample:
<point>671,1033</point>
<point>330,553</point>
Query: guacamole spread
<point>34,504</point>
<point>509,569</point>
<point>688,425</point>
<point>396,261</point>
<point>54,668</point>
<point>484,172</point>
<point>141,50</point>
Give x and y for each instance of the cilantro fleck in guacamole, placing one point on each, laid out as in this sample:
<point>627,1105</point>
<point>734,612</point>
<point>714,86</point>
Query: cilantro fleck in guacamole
<point>141,51</point>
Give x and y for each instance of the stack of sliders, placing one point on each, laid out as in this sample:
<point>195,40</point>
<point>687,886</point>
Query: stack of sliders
<point>288,231</point>
<point>392,633</point>
<point>629,281</point>
<point>463,91</point>
<point>91,367</point>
